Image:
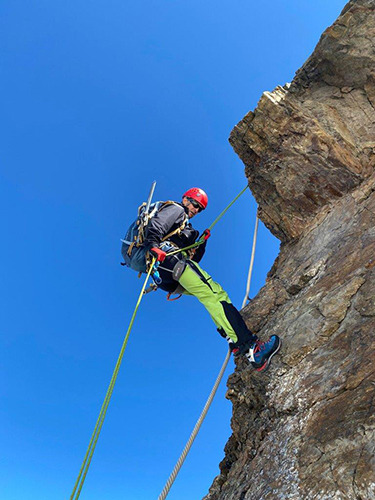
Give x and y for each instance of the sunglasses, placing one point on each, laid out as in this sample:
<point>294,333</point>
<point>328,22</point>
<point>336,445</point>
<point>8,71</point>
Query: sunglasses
<point>195,204</point>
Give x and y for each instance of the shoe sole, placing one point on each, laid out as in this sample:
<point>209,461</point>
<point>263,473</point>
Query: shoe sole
<point>264,367</point>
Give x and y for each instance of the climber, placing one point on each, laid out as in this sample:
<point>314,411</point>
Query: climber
<point>180,273</point>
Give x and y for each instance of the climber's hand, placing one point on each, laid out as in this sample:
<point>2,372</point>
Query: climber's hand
<point>206,234</point>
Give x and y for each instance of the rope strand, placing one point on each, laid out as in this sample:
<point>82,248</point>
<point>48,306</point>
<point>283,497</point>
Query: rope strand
<point>246,298</point>
<point>99,423</point>
<point>199,242</point>
<point>193,435</point>
<point>197,427</point>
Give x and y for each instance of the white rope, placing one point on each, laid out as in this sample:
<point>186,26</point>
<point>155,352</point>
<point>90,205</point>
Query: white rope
<point>193,435</point>
<point>251,262</point>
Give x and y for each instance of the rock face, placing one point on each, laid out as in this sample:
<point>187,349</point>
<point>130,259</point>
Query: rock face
<point>306,429</point>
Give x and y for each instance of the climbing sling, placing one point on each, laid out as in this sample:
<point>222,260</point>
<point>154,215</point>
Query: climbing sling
<point>98,426</point>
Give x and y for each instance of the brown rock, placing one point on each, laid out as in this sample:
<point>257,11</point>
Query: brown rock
<point>306,429</point>
<point>313,141</point>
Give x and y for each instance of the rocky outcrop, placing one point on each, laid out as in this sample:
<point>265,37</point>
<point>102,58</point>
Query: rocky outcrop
<point>306,429</point>
<point>310,142</point>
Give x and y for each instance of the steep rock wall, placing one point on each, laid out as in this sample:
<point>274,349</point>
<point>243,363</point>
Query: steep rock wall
<point>306,429</point>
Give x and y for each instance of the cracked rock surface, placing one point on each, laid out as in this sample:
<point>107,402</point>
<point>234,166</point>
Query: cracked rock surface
<point>306,429</point>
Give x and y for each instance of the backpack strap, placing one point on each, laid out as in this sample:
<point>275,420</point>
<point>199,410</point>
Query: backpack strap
<point>131,246</point>
<point>179,229</point>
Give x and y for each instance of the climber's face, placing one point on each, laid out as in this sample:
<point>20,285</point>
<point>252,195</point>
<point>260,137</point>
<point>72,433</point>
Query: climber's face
<point>192,206</point>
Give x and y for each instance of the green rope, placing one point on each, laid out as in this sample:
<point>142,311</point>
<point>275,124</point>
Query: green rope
<point>201,240</point>
<point>99,423</point>
<point>227,208</point>
<point>95,435</point>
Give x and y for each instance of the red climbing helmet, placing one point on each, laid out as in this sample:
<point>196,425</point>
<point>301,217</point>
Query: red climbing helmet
<point>198,195</point>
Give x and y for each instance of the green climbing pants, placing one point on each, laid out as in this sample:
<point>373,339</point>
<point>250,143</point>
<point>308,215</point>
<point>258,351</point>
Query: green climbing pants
<point>195,281</point>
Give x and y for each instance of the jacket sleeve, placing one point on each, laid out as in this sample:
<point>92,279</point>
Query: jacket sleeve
<point>162,224</point>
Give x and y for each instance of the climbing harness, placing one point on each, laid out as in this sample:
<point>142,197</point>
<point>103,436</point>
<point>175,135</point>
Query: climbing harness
<point>98,426</point>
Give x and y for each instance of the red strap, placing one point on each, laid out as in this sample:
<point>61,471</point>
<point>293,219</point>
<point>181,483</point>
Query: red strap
<point>171,300</point>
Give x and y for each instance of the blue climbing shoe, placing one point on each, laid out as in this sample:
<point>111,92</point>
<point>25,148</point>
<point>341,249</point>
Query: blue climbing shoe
<point>260,353</point>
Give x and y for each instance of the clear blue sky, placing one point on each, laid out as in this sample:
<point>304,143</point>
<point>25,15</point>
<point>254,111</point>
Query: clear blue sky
<point>99,99</point>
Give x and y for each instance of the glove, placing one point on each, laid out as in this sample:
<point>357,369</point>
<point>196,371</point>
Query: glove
<point>206,234</point>
<point>159,254</point>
